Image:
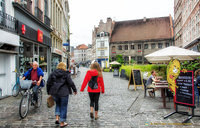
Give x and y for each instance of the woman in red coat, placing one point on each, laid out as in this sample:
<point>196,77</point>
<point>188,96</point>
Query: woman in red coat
<point>94,93</point>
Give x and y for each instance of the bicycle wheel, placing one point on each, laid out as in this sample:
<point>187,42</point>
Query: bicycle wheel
<point>24,106</point>
<point>15,90</point>
<point>39,97</point>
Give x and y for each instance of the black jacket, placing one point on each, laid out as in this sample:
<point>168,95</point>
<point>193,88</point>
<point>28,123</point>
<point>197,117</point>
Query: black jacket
<point>60,84</point>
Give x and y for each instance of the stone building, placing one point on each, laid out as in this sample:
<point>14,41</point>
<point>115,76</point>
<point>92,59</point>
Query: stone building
<point>136,38</point>
<point>80,54</point>
<point>186,24</point>
<point>102,27</point>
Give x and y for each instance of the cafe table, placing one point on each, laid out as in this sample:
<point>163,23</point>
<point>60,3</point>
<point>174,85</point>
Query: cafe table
<point>162,85</point>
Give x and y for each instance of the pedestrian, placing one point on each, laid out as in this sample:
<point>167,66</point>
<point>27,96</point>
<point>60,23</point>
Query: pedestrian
<point>94,94</point>
<point>35,74</point>
<point>150,81</point>
<point>197,76</point>
<point>60,85</point>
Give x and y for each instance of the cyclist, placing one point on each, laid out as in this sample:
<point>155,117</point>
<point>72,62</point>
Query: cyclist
<point>35,74</point>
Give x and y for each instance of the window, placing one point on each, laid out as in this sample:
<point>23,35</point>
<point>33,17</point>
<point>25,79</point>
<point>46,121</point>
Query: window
<point>132,57</point>
<point>113,49</point>
<point>102,34</point>
<point>102,44</point>
<point>166,44</point>
<point>139,46</point>
<point>139,58</point>
<point>46,7</point>
<point>113,58</point>
<point>160,45</point>
<point>102,53</point>
<point>98,35</point>
<point>126,47</point>
<point>119,47</point>
<point>153,46</point>
<point>146,46</point>
<point>132,47</point>
<point>2,5</point>
<point>126,58</point>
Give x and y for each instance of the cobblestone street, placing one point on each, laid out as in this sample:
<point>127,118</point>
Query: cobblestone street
<point>119,107</point>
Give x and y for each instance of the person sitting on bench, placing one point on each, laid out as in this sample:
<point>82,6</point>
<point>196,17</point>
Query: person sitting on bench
<point>150,84</point>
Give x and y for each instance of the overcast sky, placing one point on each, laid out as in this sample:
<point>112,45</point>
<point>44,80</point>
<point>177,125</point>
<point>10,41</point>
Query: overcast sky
<point>85,14</point>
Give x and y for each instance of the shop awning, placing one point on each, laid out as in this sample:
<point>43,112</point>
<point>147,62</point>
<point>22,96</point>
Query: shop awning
<point>9,38</point>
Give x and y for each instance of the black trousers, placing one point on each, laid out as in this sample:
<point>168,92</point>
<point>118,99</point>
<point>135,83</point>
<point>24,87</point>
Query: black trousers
<point>94,100</point>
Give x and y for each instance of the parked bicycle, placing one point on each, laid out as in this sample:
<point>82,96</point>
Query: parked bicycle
<point>17,88</point>
<point>27,99</point>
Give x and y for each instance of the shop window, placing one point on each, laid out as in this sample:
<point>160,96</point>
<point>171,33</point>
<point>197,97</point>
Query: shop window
<point>126,47</point>
<point>153,46</point>
<point>126,59</point>
<point>139,58</point>
<point>113,58</point>
<point>132,47</point>
<point>132,57</point>
<point>119,47</point>
<point>160,45</point>
<point>146,46</point>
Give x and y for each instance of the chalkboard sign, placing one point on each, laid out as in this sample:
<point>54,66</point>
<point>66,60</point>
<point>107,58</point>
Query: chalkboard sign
<point>123,73</point>
<point>116,72</point>
<point>185,90</point>
<point>136,79</point>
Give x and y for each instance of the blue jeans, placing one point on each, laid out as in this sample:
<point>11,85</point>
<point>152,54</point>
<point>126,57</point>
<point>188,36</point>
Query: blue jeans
<point>61,107</point>
<point>35,92</point>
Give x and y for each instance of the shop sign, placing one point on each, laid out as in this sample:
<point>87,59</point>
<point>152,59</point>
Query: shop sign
<point>23,29</point>
<point>40,36</point>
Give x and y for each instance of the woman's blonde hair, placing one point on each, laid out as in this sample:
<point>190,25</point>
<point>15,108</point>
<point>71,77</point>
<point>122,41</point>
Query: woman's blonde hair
<point>197,73</point>
<point>62,66</point>
<point>96,66</point>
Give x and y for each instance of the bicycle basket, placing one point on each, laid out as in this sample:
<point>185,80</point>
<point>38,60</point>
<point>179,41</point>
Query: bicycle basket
<point>25,84</point>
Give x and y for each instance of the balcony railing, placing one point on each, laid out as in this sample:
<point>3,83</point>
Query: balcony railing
<point>38,13</point>
<point>46,20</point>
<point>7,22</point>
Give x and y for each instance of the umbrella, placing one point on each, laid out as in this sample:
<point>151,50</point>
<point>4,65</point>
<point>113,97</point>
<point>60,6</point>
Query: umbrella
<point>115,63</point>
<point>172,52</point>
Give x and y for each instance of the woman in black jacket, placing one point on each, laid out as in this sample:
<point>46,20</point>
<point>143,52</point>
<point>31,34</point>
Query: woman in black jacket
<point>60,85</point>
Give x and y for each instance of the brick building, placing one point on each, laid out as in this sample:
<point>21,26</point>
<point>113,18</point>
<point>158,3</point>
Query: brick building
<point>136,38</point>
<point>186,24</point>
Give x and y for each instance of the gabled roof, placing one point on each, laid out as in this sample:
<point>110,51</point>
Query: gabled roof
<point>142,29</point>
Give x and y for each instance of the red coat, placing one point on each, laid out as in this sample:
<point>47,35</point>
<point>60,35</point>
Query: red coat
<point>88,76</point>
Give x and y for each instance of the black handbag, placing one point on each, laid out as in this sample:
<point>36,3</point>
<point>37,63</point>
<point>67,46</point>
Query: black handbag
<point>93,82</point>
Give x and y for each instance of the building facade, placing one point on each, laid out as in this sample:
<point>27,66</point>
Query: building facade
<point>102,49</point>
<point>136,38</point>
<point>9,43</point>
<point>80,54</point>
<point>34,31</point>
<point>102,27</point>
<point>186,24</point>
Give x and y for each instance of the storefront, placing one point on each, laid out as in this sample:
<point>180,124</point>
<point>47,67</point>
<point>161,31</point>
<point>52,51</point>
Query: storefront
<point>56,58</point>
<point>35,41</point>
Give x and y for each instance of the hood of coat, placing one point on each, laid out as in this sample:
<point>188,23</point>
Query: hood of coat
<point>93,72</point>
<point>59,73</point>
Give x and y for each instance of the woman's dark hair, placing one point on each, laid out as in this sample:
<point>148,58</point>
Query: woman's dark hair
<point>152,71</point>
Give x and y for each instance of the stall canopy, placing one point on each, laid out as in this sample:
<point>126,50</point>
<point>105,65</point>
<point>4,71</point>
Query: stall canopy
<point>172,52</point>
<point>115,63</point>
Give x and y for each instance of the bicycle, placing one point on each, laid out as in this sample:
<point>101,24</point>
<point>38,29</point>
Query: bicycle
<point>17,88</point>
<point>27,99</point>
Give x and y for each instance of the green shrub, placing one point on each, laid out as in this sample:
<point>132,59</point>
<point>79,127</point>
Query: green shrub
<point>107,70</point>
<point>160,69</point>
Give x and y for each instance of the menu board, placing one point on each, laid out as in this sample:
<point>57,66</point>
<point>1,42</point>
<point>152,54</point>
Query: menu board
<point>137,77</point>
<point>185,90</point>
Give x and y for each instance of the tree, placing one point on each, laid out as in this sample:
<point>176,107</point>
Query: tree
<point>120,59</point>
<point>132,61</point>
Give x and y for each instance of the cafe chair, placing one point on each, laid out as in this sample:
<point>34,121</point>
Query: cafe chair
<point>145,88</point>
